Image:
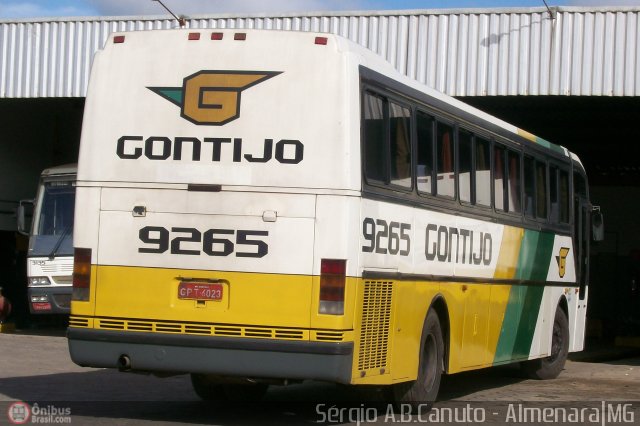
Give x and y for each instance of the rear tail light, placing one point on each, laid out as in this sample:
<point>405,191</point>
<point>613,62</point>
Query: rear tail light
<point>194,36</point>
<point>216,36</point>
<point>81,274</point>
<point>321,41</point>
<point>240,36</point>
<point>118,39</point>
<point>333,274</point>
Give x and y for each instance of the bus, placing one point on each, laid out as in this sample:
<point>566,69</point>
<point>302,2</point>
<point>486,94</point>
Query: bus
<point>50,253</point>
<point>262,207</point>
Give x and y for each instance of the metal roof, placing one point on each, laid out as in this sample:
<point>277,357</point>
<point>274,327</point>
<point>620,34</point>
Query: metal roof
<point>463,52</point>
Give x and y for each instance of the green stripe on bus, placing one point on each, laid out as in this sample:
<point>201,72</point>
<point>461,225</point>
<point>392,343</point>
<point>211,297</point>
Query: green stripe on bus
<point>551,146</point>
<point>523,308</point>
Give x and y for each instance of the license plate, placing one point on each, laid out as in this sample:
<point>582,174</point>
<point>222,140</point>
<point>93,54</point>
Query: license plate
<point>199,291</point>
<point>41,306</point>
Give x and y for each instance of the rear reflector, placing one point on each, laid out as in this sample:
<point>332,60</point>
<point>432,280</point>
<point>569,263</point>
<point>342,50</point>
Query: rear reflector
<point>118,39</point>
<point>333,273</point>
<point>194,36</point>
<point>240,36</point>
<point>81,274</point>
<point>216,36</point>
<point>321,40</point>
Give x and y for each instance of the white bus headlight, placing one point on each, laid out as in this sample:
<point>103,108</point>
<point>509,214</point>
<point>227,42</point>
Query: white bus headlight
<point>36,281</point>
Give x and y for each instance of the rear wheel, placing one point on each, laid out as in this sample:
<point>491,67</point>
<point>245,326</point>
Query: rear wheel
<point>421,393</point>
<point>551,366</point>
<point>210,389</point>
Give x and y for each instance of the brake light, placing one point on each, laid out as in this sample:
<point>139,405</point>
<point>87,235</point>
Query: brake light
<point>216,36</point>
<point>333,274</point>
<point>194,36</point>
<point>81,274</point>
<point>240,36</point>
<point>321,41</point>
<point>118,39</point>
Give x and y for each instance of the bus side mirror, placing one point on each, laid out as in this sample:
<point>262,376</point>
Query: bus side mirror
<point>597,224</point>
<point>24,215</point>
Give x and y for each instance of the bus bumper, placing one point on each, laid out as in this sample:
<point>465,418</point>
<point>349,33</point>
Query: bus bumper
<point>229,357</point>
<point>50,299</point>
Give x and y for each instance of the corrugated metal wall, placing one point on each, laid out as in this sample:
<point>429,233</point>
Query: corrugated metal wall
<point>586,52</point>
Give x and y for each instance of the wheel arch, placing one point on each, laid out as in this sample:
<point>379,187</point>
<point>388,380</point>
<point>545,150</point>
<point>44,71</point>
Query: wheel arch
<point>439,306</point>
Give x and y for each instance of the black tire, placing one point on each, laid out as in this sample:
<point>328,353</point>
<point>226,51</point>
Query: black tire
<point>209,389</point>
<point>421,393</point>
<point>551,366</point>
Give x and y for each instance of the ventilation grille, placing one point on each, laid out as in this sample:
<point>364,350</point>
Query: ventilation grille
<point>192,328</point>
<point>78,322</point>
<point>58,269</point>
<point>374,329</point>
<point>221,330</point>
<point>330,336</point>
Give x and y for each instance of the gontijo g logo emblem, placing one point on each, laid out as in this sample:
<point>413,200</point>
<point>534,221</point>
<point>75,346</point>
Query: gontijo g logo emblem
<point>212,97</point>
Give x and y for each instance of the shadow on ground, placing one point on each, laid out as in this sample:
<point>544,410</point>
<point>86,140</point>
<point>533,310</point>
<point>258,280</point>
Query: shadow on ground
<point>108,394</point>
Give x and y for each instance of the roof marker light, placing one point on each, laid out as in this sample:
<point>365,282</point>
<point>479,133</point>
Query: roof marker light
<point>118,39</point>
<point>240,36</point>
<point>194,36</point>
<point>216,36</point>
<point>321,40</point>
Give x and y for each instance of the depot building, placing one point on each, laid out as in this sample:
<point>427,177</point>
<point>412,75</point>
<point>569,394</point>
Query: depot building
<point>569,75</point>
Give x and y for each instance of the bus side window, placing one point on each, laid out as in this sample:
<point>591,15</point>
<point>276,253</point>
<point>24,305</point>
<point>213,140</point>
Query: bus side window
<point>564,196</point>
<point>424,125</point>
<point>554,210</point>
<point>579,186</point>
<point>465,161</point>
<point>541,190</point>
<point>514,187</point>
<point>483,172</point>
<point>498,177</point>
<point>446,177</point>
<point>400,144</point>
<point>529,187</point>
<point>374,138</point>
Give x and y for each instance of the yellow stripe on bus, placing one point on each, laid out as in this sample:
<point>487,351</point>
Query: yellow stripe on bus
<point>505,269</point>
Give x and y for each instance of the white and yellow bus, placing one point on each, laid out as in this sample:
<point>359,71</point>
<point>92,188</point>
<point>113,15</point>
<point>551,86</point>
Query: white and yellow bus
<point>257,207</point>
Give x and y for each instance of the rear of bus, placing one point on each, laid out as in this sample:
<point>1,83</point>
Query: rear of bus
<point>217,200</point>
